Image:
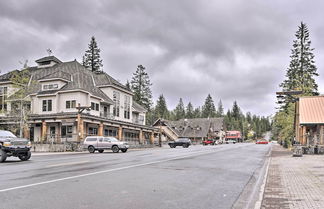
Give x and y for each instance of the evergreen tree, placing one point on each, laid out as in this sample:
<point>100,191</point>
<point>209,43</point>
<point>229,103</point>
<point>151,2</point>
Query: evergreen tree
<point>180,110</point>
<point>128,86</point>
<point>236,112</point>
<point>140,85</point>
<point>220,109</point>
<point>197,113</point>
<point>91,59</point>
<point>301,73</point>
<point>208,110</point>
<point>161,109</point>
<point>189,111</point>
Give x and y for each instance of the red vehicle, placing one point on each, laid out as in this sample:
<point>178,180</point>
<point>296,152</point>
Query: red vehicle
<point>208,141</point>
<point>262,141</point>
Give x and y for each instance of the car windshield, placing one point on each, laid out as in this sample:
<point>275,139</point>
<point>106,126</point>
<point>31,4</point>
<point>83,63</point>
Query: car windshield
<point>6,134</point>
<point>113,139</point>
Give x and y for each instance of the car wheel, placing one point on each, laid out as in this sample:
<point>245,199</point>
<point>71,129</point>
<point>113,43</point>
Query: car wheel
<point>91,149</point>
<point>115,149</point>
<point>124,150</point>
<point>101,150</point>
<point>3,156</point>
<point>204,144</point>
<point>185,146</point>
<point>25,156</point>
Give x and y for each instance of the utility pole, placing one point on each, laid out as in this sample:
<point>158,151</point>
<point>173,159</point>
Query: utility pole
<point>80,122</point>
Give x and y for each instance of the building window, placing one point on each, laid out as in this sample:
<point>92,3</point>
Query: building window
<point>116,98</point>
<point>50,86</point>
<point>3,98</point>
<point>127,107</point>
<point>47,105</point>
<point>70,104</point>
<point>66,131</point>
<point>94,106</point>
<point>93,131</point>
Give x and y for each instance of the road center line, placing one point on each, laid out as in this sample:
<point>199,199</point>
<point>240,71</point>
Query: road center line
<point>105,171</point>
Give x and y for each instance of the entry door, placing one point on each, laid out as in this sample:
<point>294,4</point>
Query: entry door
<point>52,131</point>
<point>31,134</point>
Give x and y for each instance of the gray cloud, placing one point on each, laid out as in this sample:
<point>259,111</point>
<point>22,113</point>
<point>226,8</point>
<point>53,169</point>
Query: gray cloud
<point>233,50</point>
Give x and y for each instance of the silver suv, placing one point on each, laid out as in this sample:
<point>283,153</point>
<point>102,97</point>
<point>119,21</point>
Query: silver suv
<point>100,143</point>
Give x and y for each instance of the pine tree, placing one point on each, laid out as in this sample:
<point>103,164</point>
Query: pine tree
<point>128,86</point>
<point>220,109</point>
<point>197,113</point>
<point>91,59</point>
<point>302,71</point>
<point>180,110</point>
<point>140,85</point>
<point>161,109</point>
<point>208,109</point>
<point>236,112</point>
<point>189,111</point>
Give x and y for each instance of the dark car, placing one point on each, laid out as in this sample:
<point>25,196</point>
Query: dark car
<point>10,145</point>
<point>184,142</point>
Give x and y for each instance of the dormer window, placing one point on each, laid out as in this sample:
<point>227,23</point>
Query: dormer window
<point>50,86</point>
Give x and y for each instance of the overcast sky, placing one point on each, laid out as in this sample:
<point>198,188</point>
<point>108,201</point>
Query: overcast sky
<point>234,50</point>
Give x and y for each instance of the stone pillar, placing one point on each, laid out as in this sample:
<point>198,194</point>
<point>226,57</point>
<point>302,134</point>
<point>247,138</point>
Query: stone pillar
<point>152,138</point>
<point>120,133</point>
<point>100,130</point>
<point>26,132</point>
<point>80,128</point>
<point>141,137</point>
<point>304,140</point>
<point>59,135</point>
<point>321,138</point>
<point>44,131</point>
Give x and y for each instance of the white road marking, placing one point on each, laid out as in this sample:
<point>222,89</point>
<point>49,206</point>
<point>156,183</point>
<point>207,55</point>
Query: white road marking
<point>105,171</point>
<point>69,163</point>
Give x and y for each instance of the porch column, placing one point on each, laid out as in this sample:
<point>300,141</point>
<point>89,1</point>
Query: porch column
<point>59,135</point>
<point>321,138</point>
<point>120,132</point>
<point>44,131</point>
<point>304,135</point>
<point>152,138</point>
<point>141,136</point>
<point>100,130</point>
<point>80,128</point>
<point>26,132</point>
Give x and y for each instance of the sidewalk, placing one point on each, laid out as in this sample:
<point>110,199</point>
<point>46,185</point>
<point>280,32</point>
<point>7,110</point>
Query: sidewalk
<point>294,182</point>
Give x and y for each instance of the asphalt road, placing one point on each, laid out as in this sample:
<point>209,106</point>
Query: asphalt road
<point>199,177</point>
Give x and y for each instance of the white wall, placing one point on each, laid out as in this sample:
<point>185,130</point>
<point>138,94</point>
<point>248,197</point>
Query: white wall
<point>79,97</point>
<point>109,92</point>
<point>37,104</point>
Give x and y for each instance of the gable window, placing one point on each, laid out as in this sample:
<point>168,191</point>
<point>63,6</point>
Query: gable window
<point>94,106</point>
<point>47,105</point>
<point>127,107</point>
<point>70,104</point>
<point>50,86</point>
<point>116,99</point>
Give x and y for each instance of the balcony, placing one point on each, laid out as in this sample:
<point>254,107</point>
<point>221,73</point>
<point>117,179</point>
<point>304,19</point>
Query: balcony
<point>107,115</point>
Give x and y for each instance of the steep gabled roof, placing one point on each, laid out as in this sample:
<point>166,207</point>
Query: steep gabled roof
<point>48,58</point>
<point>103,79</point>
<point>138,108</point>
<point>311,110</point>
